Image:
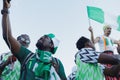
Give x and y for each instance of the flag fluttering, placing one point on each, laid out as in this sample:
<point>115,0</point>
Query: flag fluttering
<point>99,15</point>
<point>96,14</point>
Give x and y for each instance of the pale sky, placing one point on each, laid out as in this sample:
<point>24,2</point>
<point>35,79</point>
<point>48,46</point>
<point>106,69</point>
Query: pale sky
<point>67,19</point>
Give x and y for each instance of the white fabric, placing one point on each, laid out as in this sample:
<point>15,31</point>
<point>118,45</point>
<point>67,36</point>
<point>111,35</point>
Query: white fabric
<point>53,74</point>
<point>88,55</point>
<point>55,42</point>
<point>108,47</point>
<point>72,76</point>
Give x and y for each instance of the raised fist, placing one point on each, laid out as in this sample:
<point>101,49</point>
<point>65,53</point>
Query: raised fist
<point>6,3</point>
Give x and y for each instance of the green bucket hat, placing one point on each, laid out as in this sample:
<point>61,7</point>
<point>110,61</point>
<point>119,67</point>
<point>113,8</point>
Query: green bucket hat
<point>55,41</point>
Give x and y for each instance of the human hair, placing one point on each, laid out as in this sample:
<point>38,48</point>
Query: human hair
<point>81,42</point>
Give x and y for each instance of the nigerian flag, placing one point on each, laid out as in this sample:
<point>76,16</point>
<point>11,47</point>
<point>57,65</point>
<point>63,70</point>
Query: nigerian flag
<point>99,15</point>
<point>95,13</point>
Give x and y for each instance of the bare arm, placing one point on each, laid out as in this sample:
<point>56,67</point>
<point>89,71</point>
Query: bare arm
<point>112,71</point>
<point>108,59</point>
<point>92,36</point>
<point>7,35</point>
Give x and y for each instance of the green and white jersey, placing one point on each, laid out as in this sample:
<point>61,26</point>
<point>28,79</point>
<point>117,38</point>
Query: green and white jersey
<point>12,71</point>
<point>106,43</point>
<point>35,69</point>
<point>87,65</point>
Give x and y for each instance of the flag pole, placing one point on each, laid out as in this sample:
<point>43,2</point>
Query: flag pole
<point>89,22</point>
<point>88,17</point>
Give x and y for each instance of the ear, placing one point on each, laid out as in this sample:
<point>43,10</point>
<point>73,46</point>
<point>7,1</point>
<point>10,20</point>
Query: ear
<point>87,44</point>
<point>52,45</point>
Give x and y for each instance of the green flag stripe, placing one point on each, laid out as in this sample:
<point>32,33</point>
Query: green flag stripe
<point>95,13</point>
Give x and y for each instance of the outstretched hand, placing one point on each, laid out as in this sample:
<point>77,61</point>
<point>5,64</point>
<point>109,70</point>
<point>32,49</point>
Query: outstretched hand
<point>90,29</point>
<point>6,4</point>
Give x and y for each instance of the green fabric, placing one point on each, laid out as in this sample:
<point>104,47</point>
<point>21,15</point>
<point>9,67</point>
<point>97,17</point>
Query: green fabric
<point>118,21</point>
<point>28,73</point>
<point>95,13</point>
<point>51,35</point>
<point>43,67</point>
<point>61,71</point>
<point>22,54</point>
<point>9,74</point>
<point>108,42</point>
<point>44,56</point>
<point>87,71</point>
<point>33,66</point>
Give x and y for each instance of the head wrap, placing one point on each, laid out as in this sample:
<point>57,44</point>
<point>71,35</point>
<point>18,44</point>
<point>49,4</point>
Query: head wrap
<point>54,40</point>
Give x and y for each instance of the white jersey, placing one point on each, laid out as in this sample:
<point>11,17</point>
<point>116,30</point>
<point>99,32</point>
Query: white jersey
<point>106,43</point>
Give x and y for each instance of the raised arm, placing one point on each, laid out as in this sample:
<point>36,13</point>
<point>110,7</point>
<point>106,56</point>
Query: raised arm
<point>92,36</point>
<point>108,59</point>
<point>7,34</point>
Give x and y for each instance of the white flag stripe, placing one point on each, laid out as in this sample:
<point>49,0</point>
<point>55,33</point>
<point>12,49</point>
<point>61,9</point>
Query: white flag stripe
<point>111,20</point>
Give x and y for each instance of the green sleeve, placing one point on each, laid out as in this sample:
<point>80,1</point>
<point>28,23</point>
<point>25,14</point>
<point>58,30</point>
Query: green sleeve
<point>22,54</point>
<point>61,71</point>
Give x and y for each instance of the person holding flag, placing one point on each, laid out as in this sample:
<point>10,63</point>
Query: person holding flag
<point>105,43</point>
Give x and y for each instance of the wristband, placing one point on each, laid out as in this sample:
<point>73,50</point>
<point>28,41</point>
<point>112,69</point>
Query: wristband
<point>6,11</point>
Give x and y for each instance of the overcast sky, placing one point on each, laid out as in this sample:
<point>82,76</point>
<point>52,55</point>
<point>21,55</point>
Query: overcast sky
<point>67,19</point>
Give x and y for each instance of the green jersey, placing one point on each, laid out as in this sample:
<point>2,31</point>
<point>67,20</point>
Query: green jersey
<point>12,71</point>
<point>33,70</point>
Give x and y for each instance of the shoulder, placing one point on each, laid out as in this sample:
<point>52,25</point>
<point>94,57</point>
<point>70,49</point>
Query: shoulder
<point>22,54</point>
<point>23,50</point>
<point>55,60</point>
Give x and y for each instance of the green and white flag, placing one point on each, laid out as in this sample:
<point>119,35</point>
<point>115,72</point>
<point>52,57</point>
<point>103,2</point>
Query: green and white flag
<point>95,13</point>
<point>103,17</point>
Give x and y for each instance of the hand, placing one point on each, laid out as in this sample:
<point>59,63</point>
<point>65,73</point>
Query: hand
<point>90,29</point>
<point>6,4</point>
<point>11,59</point>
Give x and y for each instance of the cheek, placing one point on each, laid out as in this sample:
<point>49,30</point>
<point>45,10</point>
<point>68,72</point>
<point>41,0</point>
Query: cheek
<point>38,44</point>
